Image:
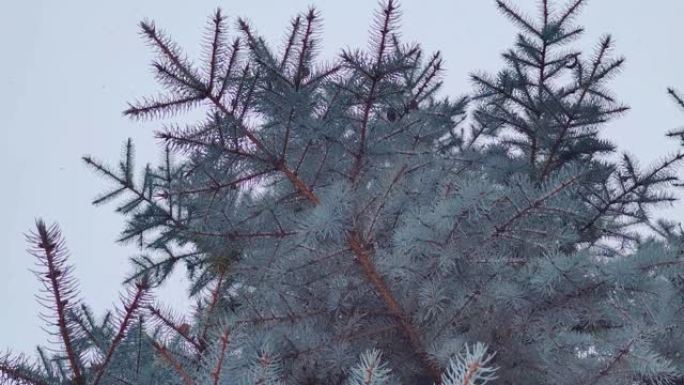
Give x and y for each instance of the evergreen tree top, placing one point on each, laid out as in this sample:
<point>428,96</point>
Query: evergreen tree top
<point>339,224</point>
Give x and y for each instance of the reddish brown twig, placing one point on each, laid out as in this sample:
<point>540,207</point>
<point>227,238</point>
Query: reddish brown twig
<point>216,372</point>
<point>48,246</point>
<point>130,309</point>
<point>171,360</point>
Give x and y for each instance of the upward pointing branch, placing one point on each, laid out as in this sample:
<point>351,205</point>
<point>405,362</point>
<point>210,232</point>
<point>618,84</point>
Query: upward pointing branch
<point>388,15</point>
<point>130,310</point>
<point>47,245</point>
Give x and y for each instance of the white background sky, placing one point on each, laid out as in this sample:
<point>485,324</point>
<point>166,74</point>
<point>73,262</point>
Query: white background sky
<point>68,67</point>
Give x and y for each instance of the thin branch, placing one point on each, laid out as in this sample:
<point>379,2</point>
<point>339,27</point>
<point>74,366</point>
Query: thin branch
<point>216,372</point>
<point>168,322</point>
<point>48,246</point>
<point>130,310</point>
<point>13,369</point>
<point>173,362</point>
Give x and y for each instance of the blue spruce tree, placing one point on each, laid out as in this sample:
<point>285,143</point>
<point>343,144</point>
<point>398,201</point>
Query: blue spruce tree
<point>340,225</point>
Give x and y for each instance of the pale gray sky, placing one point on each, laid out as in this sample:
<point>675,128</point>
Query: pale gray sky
<point>68,68</point>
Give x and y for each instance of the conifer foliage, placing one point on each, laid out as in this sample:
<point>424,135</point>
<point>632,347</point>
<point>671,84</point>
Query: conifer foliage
<point>340,225</point>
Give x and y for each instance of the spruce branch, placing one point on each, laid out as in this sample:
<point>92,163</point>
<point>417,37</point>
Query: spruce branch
<point>86,322</point>
<point>640,186</point>
<point>470,367</point>
<point>157,270</point>
<point>536,204</point>
<point>131,307</point>
<point>173,362</point>
<point>678,99</point>
<point>169,51</point>
<point>295,24</point>
<point>157,108</point>
<point>432,70</point>
<point>370,370</point>
<point>166,320</point>
<point>596,75</point>
<point>680,103</point>
<point>217,31</point>
<point>518,18</point>
<point>571,11</point>
<point>232,65</point>
<point>307,45</point>
<point>18,371</point>
<point>55,274</point>
<point>618,357</point>
<point>216,371</point>
<point>209,312</point>
<point>291,318</point>
<point>386,23</point>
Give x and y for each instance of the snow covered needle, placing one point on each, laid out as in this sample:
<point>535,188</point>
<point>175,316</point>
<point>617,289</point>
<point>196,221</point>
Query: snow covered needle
<point>470,368</point>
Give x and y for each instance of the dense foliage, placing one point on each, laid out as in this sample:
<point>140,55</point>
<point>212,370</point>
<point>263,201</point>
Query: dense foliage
<point>345,223</point>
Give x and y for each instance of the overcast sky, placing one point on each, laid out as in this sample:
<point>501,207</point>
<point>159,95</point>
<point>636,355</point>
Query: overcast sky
<point>69,67</point>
